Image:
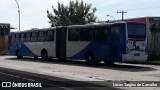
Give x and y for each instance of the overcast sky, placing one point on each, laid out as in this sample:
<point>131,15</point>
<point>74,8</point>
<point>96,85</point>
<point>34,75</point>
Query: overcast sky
<point>33,12</point>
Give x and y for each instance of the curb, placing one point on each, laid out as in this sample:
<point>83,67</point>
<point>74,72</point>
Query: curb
<point>150,62</point>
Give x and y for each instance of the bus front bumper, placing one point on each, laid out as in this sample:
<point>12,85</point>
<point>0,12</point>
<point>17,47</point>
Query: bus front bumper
<point>138,57</point>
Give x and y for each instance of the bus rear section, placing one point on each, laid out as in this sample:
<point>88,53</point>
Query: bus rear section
<point>136,42</point>
<point>34,43</point>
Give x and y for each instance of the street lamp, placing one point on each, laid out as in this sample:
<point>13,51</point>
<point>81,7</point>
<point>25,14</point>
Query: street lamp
<point>112,17</point>
<point>18,14</point>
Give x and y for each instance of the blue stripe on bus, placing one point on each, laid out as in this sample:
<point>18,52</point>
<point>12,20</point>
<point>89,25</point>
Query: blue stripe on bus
<point>25,51</point>
<point>100,50</point>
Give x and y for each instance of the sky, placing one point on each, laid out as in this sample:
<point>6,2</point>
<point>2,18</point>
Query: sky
<point>33,12</point>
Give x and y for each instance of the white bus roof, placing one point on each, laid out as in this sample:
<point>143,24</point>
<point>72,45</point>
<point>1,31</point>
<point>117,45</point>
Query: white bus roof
<point>93,24</point>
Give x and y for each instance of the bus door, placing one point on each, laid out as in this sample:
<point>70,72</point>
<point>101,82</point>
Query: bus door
<point>61,42</point>
<point>115,43</point>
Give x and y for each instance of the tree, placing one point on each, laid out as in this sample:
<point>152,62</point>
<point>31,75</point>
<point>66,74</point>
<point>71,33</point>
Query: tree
<point>76,13</point>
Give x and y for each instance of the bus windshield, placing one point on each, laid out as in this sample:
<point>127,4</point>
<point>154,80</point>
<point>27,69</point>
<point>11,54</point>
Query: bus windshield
<point>136,30</point>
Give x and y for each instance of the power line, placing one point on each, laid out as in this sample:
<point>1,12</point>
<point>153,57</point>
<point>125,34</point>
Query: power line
<point>143,8</point>
<point>136,9</point>
<point>123,12</point>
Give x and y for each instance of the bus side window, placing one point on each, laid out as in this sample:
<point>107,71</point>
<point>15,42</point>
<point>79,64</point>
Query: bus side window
<point>34,36</point>
<point>73,34</point>
<point>23,37</point>
<point>10,41</point>
<point>17,37</point>
<point>28,36</point>
<point>41,36</point>
<point>115,30</point>
<point>45,35</point>
<point>13,37</point>
<point>86,34</point>
<point>100,34</point>
<point>50,35</point>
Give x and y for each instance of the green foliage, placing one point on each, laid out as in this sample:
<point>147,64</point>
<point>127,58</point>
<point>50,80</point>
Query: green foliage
<point>75,13</point>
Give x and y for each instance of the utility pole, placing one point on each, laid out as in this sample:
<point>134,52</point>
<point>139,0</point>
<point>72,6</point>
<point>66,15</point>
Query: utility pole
<point>122,12</point>
<point>18,15</point>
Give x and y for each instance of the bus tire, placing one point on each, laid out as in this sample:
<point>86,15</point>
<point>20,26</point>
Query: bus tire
<point>89,57</point>
<point>35,57</point>
<point>18,54</point>
<point>44,55</point>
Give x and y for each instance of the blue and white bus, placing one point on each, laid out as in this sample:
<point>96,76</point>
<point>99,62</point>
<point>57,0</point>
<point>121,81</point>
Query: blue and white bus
<point>108,42</point>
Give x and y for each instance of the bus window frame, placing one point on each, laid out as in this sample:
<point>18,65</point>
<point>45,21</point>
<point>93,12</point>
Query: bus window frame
<point>91,31</point>
<point>116,30</point>
<point>49,35</point>
<point>70,37</point>
<point>104,38</point>
<point>28,36</point>
<point>34,37</point>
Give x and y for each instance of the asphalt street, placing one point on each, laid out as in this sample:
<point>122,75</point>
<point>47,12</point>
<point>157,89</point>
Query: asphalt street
<point>74,75</point>
<point>18,79</point>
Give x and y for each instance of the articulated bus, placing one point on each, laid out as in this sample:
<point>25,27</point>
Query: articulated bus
<point>107,42</point>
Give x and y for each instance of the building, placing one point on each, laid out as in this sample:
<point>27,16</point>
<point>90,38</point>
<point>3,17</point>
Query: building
<point>4,31</point>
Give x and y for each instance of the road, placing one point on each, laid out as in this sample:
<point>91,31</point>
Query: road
<point>28,69</point>
<point>44,82</point>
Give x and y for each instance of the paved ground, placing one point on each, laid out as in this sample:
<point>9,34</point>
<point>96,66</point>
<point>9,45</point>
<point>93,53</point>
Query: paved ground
<point>22,81</point>
<point>80,71</point>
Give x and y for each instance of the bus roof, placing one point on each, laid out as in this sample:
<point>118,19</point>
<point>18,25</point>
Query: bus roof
<point>76,26</point>
<point>94,24</point>
<point>35,29</point>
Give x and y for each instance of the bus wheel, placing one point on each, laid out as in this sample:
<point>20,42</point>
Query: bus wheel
<point>44,55</point>
<point>35,57</point>
<point>18,53</point>
<point>90,58</point>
